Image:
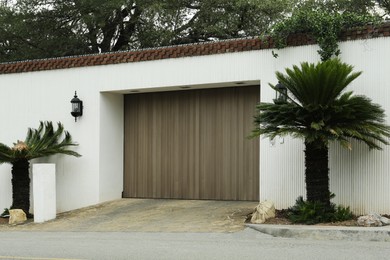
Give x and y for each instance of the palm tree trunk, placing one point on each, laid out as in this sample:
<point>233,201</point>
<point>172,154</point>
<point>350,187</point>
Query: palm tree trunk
<point>317,172</point>
<point>21,186</point>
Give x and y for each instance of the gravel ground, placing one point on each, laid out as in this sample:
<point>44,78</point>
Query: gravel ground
<point>148,215</point>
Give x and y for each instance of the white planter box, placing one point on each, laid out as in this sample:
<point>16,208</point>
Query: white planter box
<point>44,191</point>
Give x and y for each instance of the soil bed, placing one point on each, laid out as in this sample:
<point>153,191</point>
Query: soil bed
<point>3,221</point>
<point>282,219</point>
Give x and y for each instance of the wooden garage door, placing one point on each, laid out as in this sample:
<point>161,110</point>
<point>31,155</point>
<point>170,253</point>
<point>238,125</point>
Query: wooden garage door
<point>192,144</point>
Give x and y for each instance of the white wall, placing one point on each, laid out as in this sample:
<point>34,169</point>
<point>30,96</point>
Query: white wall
<point>27,98</point>
<point>98,175</point>
<point>111,147</point>
<point>360,178</point>
<point>282,164</point>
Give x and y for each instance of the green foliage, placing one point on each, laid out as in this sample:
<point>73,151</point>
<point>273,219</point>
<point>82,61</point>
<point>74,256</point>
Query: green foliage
<point>319,108</point>
<point>343,213</point>
<point>5,213</point>
<point>323,23</point>
<point>310,213</point>
<point>33,29</point>
<point>351,6</point>
<point>41,142</point>
<point>385,5</point>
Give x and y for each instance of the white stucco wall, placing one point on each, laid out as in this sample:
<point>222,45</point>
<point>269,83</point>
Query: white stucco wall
<point>98,175</point>
<point>111,146</point>
<point>27,98</point>
<point>360,178</point>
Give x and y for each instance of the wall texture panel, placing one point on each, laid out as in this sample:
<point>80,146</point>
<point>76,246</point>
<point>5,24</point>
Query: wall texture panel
<point>192,145</point>
<point>359,178</point>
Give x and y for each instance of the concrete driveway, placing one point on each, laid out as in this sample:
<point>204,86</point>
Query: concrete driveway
<point>149,215</point>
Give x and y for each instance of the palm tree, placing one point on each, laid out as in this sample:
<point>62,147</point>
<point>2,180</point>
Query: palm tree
<point>41,142</point>
<point>318,111</point>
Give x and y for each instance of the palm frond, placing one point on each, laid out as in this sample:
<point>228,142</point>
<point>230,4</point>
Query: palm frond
<point>46,141</point>
<point>5,154</point>
<point>33,134</point>
<point>41,142</point>
<point>318,108</point>
<point>317,84</point>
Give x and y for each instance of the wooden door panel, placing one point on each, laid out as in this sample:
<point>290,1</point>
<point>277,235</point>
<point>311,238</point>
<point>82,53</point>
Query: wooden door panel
<point>192,144</point>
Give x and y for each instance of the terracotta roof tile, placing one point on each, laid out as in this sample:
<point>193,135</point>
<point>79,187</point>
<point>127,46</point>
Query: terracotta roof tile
<point>179,51</point>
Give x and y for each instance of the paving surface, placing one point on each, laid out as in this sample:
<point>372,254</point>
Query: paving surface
<point>149,215</point>
<point>188,216</point>
<point>325,232</point>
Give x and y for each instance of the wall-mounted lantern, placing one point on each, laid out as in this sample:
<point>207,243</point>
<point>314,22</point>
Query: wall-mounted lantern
<point>77,107</point>
<point>281,94</point>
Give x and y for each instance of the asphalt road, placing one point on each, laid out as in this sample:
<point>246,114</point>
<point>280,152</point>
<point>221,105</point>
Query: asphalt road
<point>247,244</point>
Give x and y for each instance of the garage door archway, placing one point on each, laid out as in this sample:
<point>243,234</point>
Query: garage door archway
<point>192,144</point>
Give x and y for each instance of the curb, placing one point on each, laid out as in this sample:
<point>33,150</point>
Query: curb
<point>325,232</point>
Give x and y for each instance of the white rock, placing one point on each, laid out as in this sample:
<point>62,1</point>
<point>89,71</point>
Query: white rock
<point>264,211</point>
<point>370,220</point>
<point>16,216</point>
<point>385,221</point>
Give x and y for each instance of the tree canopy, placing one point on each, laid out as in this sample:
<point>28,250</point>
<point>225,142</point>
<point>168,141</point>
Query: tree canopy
<point>46,28</point>
<point>31,29</point>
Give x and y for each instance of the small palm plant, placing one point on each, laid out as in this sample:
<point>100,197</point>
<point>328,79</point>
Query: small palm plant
<point>41,142</point>
<point>318,111</point>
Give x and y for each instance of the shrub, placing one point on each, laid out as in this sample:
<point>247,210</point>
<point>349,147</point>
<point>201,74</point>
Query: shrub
<point>310,213</point>
<point>5,213</point>
<point>343,213</point>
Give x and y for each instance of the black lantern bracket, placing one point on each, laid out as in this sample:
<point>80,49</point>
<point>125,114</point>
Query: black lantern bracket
<point>77,107</point>
<point>281,94</point>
